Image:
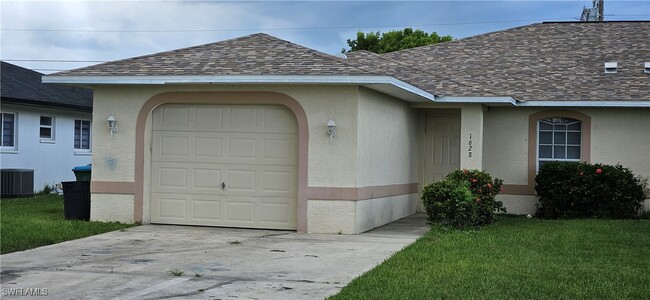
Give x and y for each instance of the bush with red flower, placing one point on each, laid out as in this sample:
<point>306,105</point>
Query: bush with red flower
<point>582,190</point>
<point>465,198</point>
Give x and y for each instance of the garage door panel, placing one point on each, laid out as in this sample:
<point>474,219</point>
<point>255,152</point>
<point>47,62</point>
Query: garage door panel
<point>206,209</point>
<point>251,149</point>
<point>227,148</point>
<point>207,179</point>
<point>207,148</point>
<point>241,181</point>
<point>278,181</point>
<point>279,149</point>
<point>174,115</point>
<point>209,116</point>
<point>174,146</point>
<point>170,206</point>
<point>243,118</point>
<point>279,119</point>
<point>171,177</point>
<point>275,213</point>
<point>242,148</point>
<point>240,209</point>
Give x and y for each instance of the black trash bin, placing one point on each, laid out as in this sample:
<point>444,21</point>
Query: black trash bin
<point>76,200</point>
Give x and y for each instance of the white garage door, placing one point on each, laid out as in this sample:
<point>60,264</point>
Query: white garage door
<point>224,165</point>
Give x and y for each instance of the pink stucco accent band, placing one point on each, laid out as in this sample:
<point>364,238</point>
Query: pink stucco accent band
<point>516,189</point>
<point>112,187</point>
<point>224,98</point>
<point>529,189</point>
<point>362,193</point>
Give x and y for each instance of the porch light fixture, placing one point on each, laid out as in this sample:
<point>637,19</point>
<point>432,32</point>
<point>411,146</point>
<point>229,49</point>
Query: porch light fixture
<point>331,129</point>
<point>112,123</point>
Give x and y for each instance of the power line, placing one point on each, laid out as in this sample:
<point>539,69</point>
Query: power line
<point>50,69</point>
<point>281,28</point>
<point>57,60</point>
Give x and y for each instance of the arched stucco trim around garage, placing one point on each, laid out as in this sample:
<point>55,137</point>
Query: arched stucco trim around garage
<point>224,98</point>
<point>585,155</point>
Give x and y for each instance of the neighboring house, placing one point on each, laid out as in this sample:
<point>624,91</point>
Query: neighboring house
<point>45,127</point>
<point>235,133</point>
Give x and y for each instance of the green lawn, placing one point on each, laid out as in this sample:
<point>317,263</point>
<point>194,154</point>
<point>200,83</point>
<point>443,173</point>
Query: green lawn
<point>34,222</point>
<point>517,258</point>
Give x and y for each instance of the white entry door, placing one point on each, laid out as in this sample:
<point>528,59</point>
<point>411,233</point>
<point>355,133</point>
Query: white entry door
<point>224,165</point>
<point>442,147</point>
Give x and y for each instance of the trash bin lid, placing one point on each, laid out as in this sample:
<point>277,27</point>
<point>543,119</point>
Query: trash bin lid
<point>87,168</point>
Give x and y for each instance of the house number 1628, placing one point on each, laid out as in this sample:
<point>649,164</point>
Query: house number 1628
<point>469,149</point>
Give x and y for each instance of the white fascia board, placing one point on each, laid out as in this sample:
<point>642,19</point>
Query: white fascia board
<point>239,79</point>
<point>584,104</point>
<point>483,100</point>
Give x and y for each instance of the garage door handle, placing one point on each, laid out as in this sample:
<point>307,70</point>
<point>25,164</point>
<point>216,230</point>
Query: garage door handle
<point>223,185</point>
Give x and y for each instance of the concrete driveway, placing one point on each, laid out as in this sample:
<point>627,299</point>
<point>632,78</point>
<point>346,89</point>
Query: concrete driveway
<point>217,263</point>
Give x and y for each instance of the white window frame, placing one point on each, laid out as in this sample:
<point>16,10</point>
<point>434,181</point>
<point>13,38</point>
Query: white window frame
<point>82,151</point>
<point>539,131</point>
<point>52,127</point>
<point>14,148</point>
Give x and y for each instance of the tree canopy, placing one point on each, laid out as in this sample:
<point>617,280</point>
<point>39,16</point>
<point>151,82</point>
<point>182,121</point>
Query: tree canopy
<point>394,40</point>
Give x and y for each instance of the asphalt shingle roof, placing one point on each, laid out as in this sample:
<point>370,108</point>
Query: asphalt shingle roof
<point>23,86</point>
<point>546,61</point>
<point>256,54</point>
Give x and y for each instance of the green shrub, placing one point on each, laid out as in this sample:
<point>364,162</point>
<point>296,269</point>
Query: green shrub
<point>582,190</point>
<point>465,198</point>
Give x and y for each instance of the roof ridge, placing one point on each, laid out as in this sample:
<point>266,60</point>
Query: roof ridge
<point>17,66</point>
<point>322,54</point>
<point>163,52</point>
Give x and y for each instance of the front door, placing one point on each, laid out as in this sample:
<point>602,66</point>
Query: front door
<point>442,146</point>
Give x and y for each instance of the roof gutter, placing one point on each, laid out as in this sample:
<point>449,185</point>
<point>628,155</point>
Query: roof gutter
<point>567,103</point>
<point>481,100</point>
<point>242,79</point>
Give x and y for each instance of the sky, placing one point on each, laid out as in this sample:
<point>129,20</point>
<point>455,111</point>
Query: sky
<point>49,36</point>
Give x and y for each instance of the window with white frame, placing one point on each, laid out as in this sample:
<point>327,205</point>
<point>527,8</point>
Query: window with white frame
<point>46,130</point>
<point>558,139</point>
<point>82,135</point>
<point>8,139</point>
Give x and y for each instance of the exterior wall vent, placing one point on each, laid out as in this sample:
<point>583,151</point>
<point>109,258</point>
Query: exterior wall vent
<point>611,67</point>
<point>646,67</point>
<point>17,183</point>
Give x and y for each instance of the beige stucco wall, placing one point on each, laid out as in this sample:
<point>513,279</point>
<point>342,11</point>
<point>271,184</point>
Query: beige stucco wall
<point>387,155</point>
<point>618,135</point>
<point>505,143</point>
<point>373,213</point>
<point>110,207</point>
<point>387,140</point>
<point>331,216</point>
<point>352,217</point>
<point>471,130</point>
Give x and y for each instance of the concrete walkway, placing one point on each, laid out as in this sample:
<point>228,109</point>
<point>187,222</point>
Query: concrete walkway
<point>217,263</point>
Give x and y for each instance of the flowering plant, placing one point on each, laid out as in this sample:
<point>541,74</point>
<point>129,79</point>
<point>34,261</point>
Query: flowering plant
<point>582,190</point>
<point>464,198</point>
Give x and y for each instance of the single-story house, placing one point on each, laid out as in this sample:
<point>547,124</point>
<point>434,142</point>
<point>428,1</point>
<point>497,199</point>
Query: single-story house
<point>45,127</point>
<point>259,132</point>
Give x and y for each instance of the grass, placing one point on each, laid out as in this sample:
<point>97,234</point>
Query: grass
<point>35,222</point>
<point>517,258</point>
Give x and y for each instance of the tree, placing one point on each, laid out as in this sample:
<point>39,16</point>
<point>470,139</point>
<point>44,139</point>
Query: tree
<point>394,40</point>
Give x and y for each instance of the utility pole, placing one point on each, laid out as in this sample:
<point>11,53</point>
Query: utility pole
<point>601,10</point>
